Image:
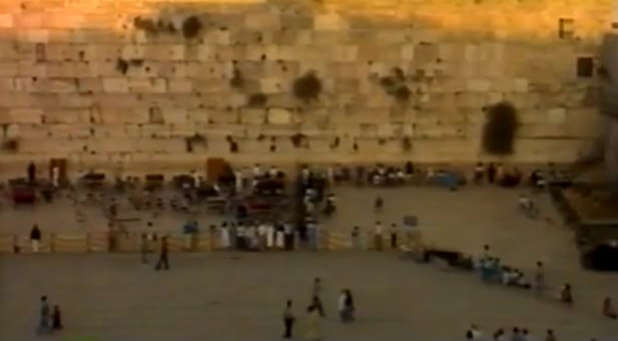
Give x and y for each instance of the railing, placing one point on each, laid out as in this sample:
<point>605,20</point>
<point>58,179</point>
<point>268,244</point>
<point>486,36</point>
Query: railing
<point>132,242</point>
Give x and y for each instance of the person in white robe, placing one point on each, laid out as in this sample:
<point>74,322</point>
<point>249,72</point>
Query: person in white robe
<point>270,236</point>
<point>225,236</point>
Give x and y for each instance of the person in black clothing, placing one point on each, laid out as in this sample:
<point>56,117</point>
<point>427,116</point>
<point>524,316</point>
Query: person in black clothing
<point>288,320</point>
<point>491,173</point>
<point>409,168</point>
<point>163,259</point>
<point>56,319</point>
<point>35,238</point>
<point>31,172</point>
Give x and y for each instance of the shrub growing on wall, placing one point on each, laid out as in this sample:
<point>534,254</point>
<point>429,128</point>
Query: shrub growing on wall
<point>307,87</point>
<point>499,130</point>
<point>191,27</point>
<point>257,100</point>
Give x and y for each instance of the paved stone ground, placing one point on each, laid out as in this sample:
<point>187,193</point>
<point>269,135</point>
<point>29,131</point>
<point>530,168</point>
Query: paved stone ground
<point>208,296</point>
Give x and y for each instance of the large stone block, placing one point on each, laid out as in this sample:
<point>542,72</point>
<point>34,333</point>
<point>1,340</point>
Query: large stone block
<point>279,116</point>
<point>263,21</point>
<point>6,20</point>
<point>164,52</point>
<point>115,85</point>
<point>26,115</point>
<point>147,85</point>
<point>329,21</point>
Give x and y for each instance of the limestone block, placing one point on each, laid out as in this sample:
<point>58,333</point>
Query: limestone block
<point>115,84</point>
<point>133,52</point>
<point>8,69</point>
<point>125,115</point>
<point>296,22</point>
<point>116,100</point>
<point>391,37</point>
<point>66,116</point>
<point>103,52</point>
<point>164,52</point>
<point>329,21</point>
<point>471,53</point>
<point>478,85</point>
<point>103,69</point>
<point>198,116</point>
<point>89,85</point>
<point>385,130</point>
<point>218,37</point>
<point>28,20</point>
<point>253,116</point>
<point>147,85</point>
<point>209,86</point>
<point>585,123</point>
<point>279,116</point>
<point>75,100</point>
<point>556,115</point>
<point>407,52</point>
<point>346,53</point>
<point>541,131</point>
<point>520,85</point>
<point>180,85</point>
<point>24,84</point>
<point>425,53</point>
<point>63,20</point>
<point>175,115</point>
<point>54,85</point>
<point>7,84</point>
<point>263,21</point>
<point>271,85</point>
<point>206,52</point>
<point>26,115</point>
<point>225,116</point>
<point>27,68</point>
<point>6,20</point>
<point>305,37</point>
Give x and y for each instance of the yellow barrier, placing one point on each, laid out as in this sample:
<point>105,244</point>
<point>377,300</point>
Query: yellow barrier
<point>98,241</point>
<point>24,244</point>
<point>338,241</point>
<point>7,243</point>
<point>70,243</point>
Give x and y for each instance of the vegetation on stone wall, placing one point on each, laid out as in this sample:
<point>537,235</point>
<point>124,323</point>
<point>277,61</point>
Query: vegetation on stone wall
<point>394,85</point>
<point>307,87</point>
<point>500,128</point>
<point>298,139</point>
<point>191,27</point>
<point>11,145</point>
<point>406,143</point>
<point>122,66</point>
<point>193,140</point>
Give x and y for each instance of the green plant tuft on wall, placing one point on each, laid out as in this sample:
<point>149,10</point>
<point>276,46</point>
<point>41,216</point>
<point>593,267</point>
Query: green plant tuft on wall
<point>145,24</point>
<point>500,128</point>
<point>307,87</point>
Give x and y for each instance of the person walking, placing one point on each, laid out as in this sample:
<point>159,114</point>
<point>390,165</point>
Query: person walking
<point>377,236</point>
<point>315,293</point>
<point>144,248</point>
<point>35,238</point>
<point>225,236</point>
<point>346,306</point>
<point>288,320</point>
<point>44,317</point>
<point>378,204</point>
<point>57,318</point>
<point>163,257</point>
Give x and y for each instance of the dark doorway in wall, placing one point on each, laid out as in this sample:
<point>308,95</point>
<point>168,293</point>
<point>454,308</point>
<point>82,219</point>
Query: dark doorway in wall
<point>585,67</point>
<point>566,28</point>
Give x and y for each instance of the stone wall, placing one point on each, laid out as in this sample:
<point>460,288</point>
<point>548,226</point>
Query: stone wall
<point>121,82</point>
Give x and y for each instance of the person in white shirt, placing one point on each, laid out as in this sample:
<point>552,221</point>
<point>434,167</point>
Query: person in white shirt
<point>56,176</point>
<point>239,180</point>
<point>257,171</point>
<point>196,180</point>
<point>330,174</point>
<point>377,238</point>
<point>273,172</point>
<point>270,236</point>
<point>305,174</point>
<point>225,236</point>
<point>341,306</point>
<point>261,235</point>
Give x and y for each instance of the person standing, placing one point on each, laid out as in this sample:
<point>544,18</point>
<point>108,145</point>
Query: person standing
<point>550,335</point>
<point>56,176</point>
<point>378,204</point>
<point>316,291</point>
<point>144,248</point>
<point>238,181</point>
<point>225,236</point>
<point>539,277</point>
<point>341,306</point>
<point>270,236</point>
<point>377,236</point>
<point>279,237</point>
<point>393,232</point>
<point>356,238</point>
<point>31,172</point>
<point>288,232</point>
<point>565,294</point>
<point>57,319</point>
<point>288,320</point>
<point>163,257</point>
<point>478,173</point>
<point>44,316</point>
<point>608,309</point>
<point>491,173</point>
<point>35,238</point>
